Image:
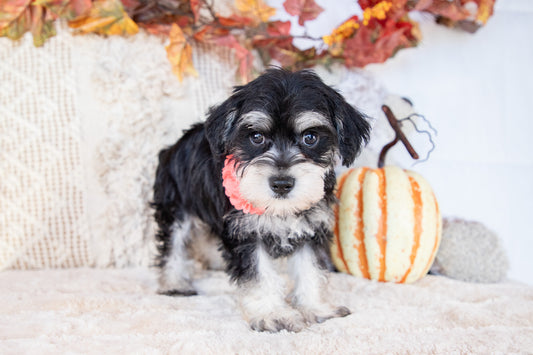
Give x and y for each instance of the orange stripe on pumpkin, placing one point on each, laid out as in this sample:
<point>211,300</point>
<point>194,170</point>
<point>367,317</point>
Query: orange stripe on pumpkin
<point>340,185</point>
<point>359,232</point>
<point>381,235</point>
<point>437,238</point>
<point>416,195</point>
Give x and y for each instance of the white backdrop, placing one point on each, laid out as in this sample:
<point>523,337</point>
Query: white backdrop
<point>477,91</point>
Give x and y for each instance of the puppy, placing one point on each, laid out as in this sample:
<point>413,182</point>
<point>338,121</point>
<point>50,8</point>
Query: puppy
<point>257,178</point>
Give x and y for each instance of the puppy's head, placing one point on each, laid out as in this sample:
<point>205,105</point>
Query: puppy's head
<point>284,131</point>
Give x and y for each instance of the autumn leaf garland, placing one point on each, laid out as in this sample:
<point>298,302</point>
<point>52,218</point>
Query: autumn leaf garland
<point>383,29</point>
<point>37,16</point>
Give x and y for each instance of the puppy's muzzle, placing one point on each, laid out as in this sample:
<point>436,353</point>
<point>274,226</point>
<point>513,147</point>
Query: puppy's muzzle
<point>281,185</point>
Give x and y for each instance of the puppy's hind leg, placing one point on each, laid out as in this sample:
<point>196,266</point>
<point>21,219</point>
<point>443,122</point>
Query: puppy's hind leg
<point>206,247</point>
<point>177,266</point>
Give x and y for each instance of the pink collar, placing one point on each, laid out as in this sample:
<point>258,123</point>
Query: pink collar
<point>230,182</point>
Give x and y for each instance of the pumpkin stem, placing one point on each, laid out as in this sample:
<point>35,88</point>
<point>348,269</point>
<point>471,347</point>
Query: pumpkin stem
<point>393,121</point>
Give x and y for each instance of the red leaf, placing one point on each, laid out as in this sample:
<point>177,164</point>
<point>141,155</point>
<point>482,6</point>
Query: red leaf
<point>235,21</point>
<point>210,34</point>
<point>305,9</point>
<point>421,5</point>
<point>451,10</point>
<point>195,8</point>
<point>279,28</point>
<point>295,59</point>
<point>164,12</point>
<point>79,7</point>
<point>277,34</point>
<point>370,45</point>
<point>130,5</point>
<point>243,55</point>
<point>157,29</point>
<point>468,15</point>
<point>368,3</point>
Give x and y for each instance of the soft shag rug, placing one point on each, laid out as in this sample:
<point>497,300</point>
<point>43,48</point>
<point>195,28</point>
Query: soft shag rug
<point>113,311</point>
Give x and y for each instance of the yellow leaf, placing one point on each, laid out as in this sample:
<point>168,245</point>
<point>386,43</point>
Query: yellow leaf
<point>484,11</point>
<point>106,17</point>
<point>345,30</point>
<point>179,53</point>
<point>256,9</point>
<point>378,11</point>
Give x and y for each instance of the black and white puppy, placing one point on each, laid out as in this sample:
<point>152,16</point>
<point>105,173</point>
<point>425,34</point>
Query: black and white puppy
<point>258,179</point>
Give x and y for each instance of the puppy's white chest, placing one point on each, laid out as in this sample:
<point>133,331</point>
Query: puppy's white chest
<point>282,235</point>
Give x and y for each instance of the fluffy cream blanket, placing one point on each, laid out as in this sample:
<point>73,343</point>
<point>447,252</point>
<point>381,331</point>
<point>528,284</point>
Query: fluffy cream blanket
<point>117,311</point>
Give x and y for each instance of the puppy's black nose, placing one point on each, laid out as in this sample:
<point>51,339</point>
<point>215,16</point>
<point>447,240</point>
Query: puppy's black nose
<point>281,185</point>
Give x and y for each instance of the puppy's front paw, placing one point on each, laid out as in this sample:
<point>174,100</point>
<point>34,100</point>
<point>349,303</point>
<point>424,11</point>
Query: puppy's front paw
<point>292,321</point>
<point>322,314</point>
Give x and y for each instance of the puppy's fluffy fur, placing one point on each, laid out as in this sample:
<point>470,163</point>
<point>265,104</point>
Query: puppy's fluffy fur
<point>284,132</point>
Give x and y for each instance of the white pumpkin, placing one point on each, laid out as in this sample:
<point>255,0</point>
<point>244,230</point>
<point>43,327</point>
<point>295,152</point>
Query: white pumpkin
<point>388,224</point>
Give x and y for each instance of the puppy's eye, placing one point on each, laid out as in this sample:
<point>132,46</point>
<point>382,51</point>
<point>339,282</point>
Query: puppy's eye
<point>310,139</point>
<point>257,138</point>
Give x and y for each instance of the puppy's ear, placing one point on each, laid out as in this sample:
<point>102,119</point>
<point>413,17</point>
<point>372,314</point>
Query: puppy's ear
<point>220,124</point>
<point>353,130</point>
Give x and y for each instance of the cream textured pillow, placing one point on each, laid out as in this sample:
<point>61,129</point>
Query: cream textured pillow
<point>43,220</point>
<point>81,122</point>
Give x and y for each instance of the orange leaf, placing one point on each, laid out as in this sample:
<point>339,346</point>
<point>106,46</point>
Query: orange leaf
<point>305,9</point>
<point>209,34</point>
<point>15,18</point>
<point>235,21</point>
<point>11,10</point>
<point>255,9</point>
<point>485,10</point>
<point>105,17</point>
<point>157,29</point>
<point>179,53</point>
